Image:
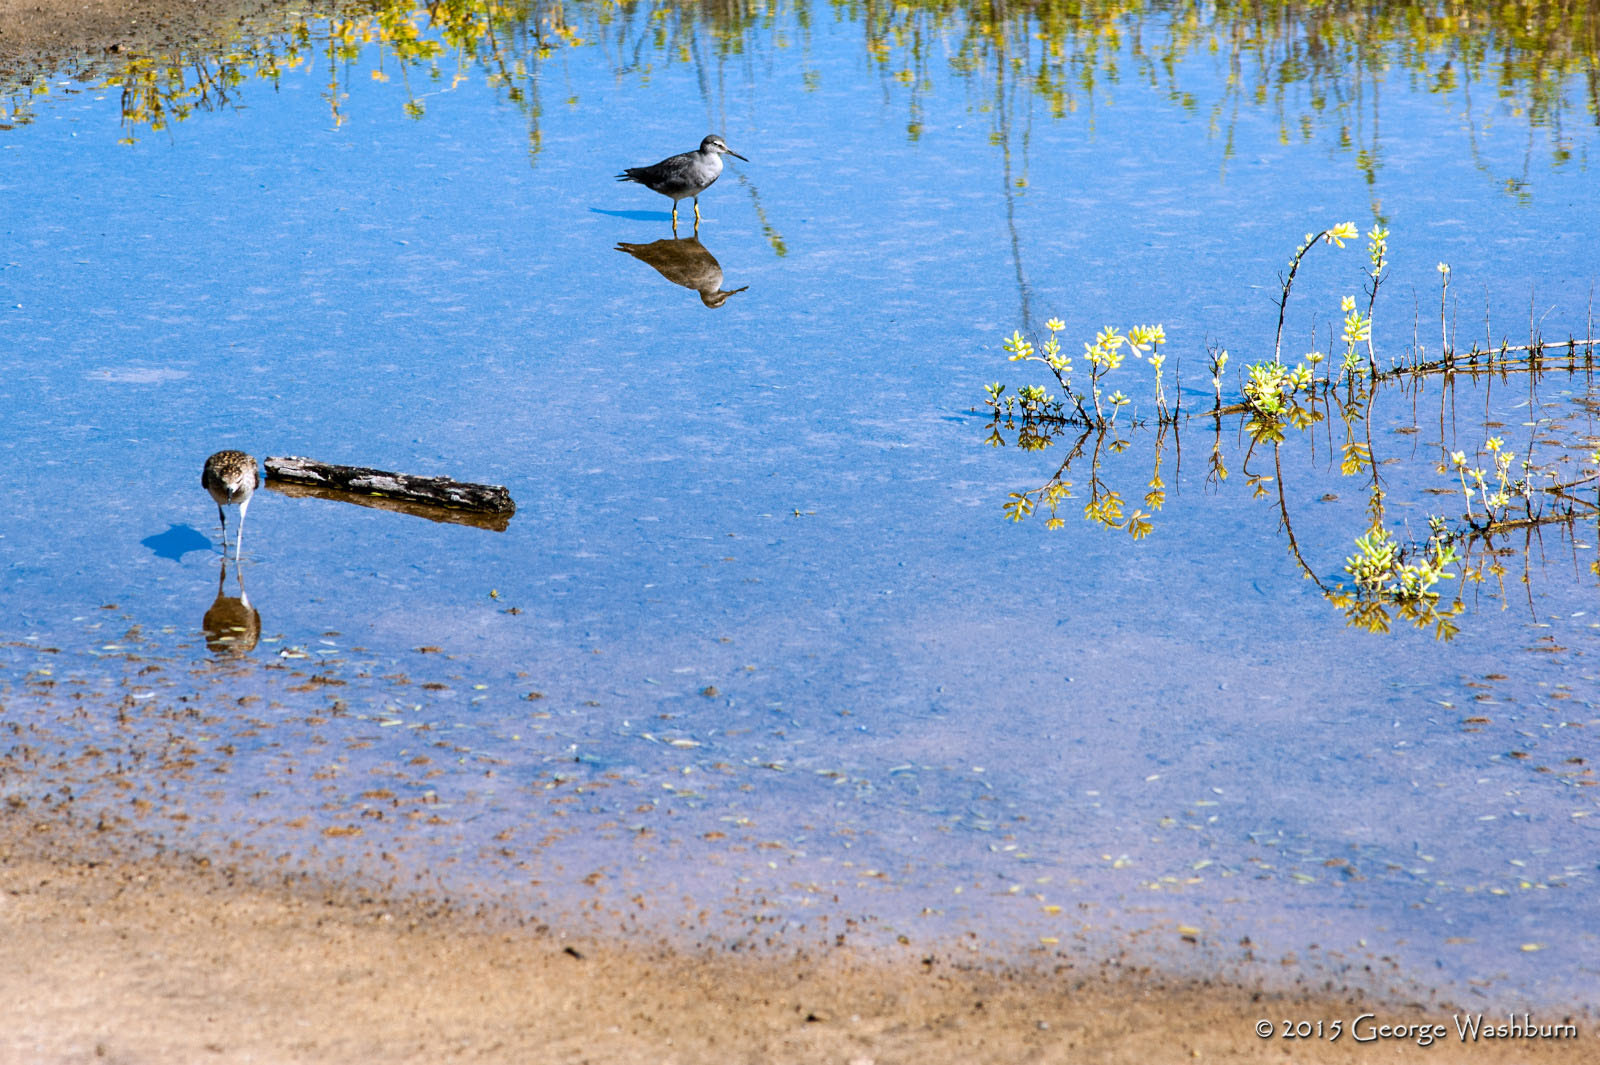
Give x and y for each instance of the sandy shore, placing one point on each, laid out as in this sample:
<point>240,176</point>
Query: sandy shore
<point>122,959</point>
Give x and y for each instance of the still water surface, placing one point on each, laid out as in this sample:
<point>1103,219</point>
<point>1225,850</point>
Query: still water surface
<point>760,656</point>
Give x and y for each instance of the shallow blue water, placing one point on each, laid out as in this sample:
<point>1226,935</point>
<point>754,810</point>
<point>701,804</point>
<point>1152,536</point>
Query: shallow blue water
<point>795,666</point>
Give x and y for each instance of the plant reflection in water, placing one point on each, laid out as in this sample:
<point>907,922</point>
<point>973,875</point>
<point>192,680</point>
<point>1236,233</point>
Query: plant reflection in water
<point>1510,491</point>
<point>1314,70</point>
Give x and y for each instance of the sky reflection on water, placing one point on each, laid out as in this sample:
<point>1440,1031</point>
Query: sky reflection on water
<point>785,644</point>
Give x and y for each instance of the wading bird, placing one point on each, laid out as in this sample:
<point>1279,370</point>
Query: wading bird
<point>684,175</point>
<point>231,477</point>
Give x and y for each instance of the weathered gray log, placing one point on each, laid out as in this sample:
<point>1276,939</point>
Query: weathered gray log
<point>364,481</point>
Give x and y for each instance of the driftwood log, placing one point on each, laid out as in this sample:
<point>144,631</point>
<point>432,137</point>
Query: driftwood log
<point>360,484</point>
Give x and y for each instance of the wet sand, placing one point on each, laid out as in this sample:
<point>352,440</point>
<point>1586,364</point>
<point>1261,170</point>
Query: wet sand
<point>118,958</point>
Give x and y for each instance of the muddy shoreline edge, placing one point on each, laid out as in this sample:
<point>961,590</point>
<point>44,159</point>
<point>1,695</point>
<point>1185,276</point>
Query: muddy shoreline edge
<point>117,956</point>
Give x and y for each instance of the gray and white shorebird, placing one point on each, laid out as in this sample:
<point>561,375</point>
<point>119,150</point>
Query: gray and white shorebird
<point>231,477</point>
<point>684,175</point>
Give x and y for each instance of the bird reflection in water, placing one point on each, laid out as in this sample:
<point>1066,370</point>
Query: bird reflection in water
<point>685,262</point>
<point>232,626</point>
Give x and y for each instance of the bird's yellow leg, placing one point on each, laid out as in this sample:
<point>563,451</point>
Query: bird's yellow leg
<point>697,210</point>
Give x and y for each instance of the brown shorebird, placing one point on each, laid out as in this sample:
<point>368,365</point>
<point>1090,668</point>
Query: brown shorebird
<point>684,175</point>
<point>231,477</point>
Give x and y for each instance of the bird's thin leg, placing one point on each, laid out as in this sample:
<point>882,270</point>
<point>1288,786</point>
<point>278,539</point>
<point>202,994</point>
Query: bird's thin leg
<point>697,212</point>
<point>674,216</point>
<point>238,537</point>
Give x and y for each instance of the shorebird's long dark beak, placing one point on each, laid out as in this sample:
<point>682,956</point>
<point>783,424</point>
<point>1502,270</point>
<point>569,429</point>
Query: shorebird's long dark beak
<point>733,153</point>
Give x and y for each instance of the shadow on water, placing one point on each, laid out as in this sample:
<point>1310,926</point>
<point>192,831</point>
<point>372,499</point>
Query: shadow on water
<point>685,261</point>
<point>232,626</point>
<point>176,542</point>
<point>636,216</point>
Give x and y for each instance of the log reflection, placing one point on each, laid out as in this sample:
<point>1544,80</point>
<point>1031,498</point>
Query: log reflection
<point>495,522</point>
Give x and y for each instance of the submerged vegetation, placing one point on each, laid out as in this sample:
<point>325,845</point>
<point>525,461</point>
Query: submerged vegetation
<point>1551,480</point>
